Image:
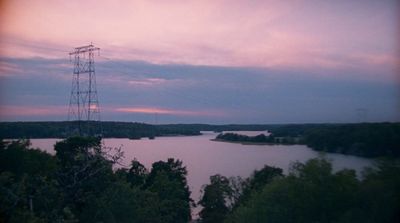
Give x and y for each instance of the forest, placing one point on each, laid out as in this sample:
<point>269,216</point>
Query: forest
<point>30,130</point>
<point>258,139</point>
<point>17,130</point>
<point>367,139</point>
<point>81,183</point>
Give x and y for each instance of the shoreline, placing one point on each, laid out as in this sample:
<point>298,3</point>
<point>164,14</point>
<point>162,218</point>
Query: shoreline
<point>253,143</point>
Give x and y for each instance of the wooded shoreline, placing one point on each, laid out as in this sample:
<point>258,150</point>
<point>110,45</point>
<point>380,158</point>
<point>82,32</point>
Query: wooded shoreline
<point>361,139</point>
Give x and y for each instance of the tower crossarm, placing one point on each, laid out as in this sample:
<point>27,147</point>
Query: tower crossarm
<point>84,49</point>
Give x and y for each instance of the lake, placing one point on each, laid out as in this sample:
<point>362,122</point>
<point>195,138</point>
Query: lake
<point>204,157</point>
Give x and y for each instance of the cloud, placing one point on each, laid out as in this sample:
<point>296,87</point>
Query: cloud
<point>194,93</point>
<point>7,69</point>
<point>7,111</point>
<point>147,81</point>
<point>164,111</point>
<point>272,34</point>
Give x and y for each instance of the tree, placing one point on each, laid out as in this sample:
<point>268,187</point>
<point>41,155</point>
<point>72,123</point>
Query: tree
<point>257,182</point>
<point>17,157</point>
<point>168,181</point>
<point>28,191</point>
<point>215,199</point>
<point>137,173</point>
<point>380,192</point>
<point>311,193</point>
<point>85,171</point>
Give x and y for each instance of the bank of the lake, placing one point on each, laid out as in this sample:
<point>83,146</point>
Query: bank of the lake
<point>245,142</point>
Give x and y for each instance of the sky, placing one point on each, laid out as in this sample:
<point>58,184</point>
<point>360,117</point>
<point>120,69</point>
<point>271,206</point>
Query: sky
<point>218,62</point>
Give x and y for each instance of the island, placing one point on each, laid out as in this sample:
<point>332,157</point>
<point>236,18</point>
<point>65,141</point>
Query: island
<point>260,139</point>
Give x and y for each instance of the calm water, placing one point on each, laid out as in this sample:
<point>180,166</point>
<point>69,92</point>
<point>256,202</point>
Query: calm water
<point>204,158</point>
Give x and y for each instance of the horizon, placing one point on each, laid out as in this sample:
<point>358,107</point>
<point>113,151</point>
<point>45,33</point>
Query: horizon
<point>221,124</point>
<point>299,62</point>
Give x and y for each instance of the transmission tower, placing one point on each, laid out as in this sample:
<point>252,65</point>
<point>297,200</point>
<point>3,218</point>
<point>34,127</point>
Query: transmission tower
<point>84,110</point>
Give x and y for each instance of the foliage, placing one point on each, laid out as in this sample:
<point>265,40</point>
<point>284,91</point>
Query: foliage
<point>312,192</point>
<point>362,139</point>
<point>78,184</point>
<point>215,199</point>
<point>370,140</point>
<point>16,157</point>
<point>168,181</point>
<point>365,139</point>
<point>15,130</point>
<point>137,174</point>
<point>256,182</point>
<point>27,183</point>
<point>261,138</point>
<point>223,195</point>
<point>234,137</point>
<point>84,173</point>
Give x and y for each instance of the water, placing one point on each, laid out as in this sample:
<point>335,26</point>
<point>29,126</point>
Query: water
<point>204,157</point>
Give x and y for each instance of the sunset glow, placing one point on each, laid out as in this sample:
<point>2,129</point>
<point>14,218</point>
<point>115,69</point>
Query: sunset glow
<point>165,111</point>
<point>266,33</point>
<point>30,111</point>
<point>254,61</point>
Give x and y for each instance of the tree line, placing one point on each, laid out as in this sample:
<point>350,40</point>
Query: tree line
<point>134,130</point>
<point>261,138</point>
<point>17,130</point>
<point>366,139</point>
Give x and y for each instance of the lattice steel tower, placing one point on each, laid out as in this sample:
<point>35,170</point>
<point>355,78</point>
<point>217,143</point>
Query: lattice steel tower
<point>84,110</point>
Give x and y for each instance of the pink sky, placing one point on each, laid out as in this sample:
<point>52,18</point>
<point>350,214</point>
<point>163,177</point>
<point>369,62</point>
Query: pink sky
<point>263,42</point>
<point>19,110</point>
<point>152,110</point>
<point>305,34</point>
